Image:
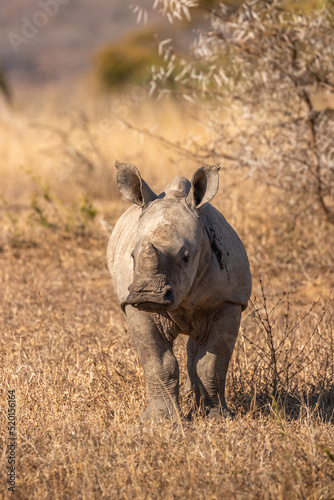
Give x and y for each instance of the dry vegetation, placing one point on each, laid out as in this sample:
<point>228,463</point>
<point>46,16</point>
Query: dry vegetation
<point>64,345</point>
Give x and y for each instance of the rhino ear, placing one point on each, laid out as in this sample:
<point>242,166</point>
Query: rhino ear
<point>132,186</point>
<point>204,185</point>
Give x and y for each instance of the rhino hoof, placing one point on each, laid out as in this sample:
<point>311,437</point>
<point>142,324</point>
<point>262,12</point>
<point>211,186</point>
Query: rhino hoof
<point>158,415</point>
<point>211,413</point>
<point>218,413</point>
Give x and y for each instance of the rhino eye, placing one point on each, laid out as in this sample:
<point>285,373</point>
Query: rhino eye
<point>186,257</point>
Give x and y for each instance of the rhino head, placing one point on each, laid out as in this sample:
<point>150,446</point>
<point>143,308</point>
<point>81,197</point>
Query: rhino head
<point>172,250</point>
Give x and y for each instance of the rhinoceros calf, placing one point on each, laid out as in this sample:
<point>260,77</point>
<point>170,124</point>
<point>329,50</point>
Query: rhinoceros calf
<point>178,267</point>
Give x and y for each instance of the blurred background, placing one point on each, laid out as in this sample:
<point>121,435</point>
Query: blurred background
<point>64,48</point>
<point>49,42</point>
<point>69,41</point>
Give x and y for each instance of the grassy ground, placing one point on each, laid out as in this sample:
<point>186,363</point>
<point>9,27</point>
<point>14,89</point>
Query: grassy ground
<point>66,351</point>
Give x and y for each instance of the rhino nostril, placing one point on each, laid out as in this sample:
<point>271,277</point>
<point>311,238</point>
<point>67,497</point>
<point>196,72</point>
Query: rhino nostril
<point>169,296</point>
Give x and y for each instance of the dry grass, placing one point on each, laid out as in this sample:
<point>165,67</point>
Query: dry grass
<point>66,351</point>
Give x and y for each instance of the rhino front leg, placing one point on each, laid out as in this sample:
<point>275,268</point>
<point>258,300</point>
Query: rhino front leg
<point>192,349</point>
<point>160,365</point>
<point>212,361</point>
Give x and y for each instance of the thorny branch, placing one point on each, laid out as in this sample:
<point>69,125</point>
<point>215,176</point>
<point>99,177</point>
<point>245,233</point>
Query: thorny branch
<point>274,68</point>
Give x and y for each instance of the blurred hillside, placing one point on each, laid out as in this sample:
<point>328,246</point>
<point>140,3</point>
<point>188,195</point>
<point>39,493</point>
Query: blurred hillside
<point>63,47</point>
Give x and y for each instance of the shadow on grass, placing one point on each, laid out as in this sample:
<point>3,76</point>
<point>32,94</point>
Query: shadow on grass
<point>313,401</point>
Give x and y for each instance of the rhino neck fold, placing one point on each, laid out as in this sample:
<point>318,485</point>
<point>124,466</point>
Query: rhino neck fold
<point>178,318</point>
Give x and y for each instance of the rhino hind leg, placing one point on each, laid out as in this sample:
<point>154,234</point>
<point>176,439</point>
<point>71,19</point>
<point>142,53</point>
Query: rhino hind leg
<point>160,366</point>
<point>212,360</point>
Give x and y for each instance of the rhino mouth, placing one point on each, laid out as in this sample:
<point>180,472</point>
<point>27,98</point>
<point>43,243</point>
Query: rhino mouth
<point>151,306</point>
<point>151,301</point>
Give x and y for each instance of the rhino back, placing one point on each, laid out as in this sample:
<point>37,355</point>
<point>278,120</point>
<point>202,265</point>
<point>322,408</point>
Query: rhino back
<point>119,250</point>
<point>228,277</point>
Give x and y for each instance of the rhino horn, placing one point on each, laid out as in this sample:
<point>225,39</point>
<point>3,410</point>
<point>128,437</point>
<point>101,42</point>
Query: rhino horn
<point>148,259</point>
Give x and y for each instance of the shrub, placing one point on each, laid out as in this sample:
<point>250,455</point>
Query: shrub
<point>127,61</point>
<point>269,63</point>
<point>4,87</point>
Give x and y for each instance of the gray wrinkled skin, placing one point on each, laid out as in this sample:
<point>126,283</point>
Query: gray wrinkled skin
<point>178,267</point>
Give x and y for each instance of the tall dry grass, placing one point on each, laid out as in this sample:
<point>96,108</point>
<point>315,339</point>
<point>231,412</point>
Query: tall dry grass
<point>64,343</point>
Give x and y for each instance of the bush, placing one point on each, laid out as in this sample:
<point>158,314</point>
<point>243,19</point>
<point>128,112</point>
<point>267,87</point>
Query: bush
<point>127,61</point>
<point>271,64</point>
<point>4,87</point>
